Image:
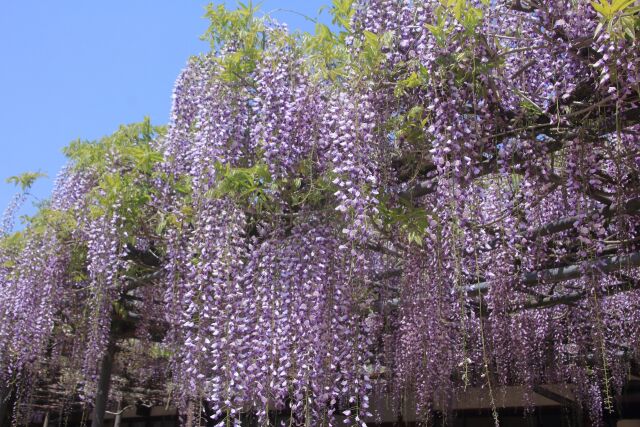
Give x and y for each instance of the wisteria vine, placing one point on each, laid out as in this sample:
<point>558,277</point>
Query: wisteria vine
<point>434,196</point>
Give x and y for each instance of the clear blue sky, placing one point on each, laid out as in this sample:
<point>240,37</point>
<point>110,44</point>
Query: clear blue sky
<point>77,69</point>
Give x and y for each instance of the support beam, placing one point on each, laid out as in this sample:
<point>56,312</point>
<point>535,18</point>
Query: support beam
<point>630,207</point>
<point>148,258</point>
<point>629,117</point>
<point>589,190</point>
<point>607,264</point>
<point>104,383</point>
<point>556,397</point>
<point>388,274</point>
<point>138,282</point>
<point>429,186</point>
<point>576,409</point>
<point>545,302</point>
<point>569,298</point>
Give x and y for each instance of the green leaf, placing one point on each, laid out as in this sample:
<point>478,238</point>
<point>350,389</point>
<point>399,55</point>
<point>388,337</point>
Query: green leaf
<point>25,180</point>
<point>602,8</point>
<point>618,17</point>
<point>620,5</point>
<point>342,12</point>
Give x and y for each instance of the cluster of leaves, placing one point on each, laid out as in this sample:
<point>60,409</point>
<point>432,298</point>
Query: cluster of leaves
<point>120,170</point>
<point>123,167</point>
<point>462,11</point>
<point>409,220</point>
<point>619,17</point>
<point>25,180</point>
<point>249,186</point>
<point>413,80</point>
<point>327,53</point>
<point>238,36</point>
<point>260,194</point>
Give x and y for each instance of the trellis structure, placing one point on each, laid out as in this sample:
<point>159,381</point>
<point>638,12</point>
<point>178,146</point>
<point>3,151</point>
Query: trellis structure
<point>439,195</point>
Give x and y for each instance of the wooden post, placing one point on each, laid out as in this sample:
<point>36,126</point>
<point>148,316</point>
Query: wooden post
<point>6,405</point>
<point>116,422</point>
<point>104,382</point>
<point>45,423</point>
<point>190,418</point>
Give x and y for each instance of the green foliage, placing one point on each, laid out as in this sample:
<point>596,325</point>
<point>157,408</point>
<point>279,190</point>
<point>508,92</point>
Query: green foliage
<point>414,80</point>
<point>372,49</point>
<point>78,263</point>
<point>342,12</point>
<point>159,351</point>
<point>240,35</point>
<point>327,55</point>
<point>63,222</point>
<point>619,17</point>
<point>460,10</point>
<point>239,39</point>
<point>122,166</point>
<point>326,50</point>
<point>309,188</point>
<point>531,110</point>
<point>25,180</point>
<point>12,245</point>
<point>226,24</point>
<point>43,223</point>
<point>411,126</point>
<point>439,30</point>
<point>119,309</point>
<point>463,63</point>
<point>250,186</point>
<point>130,144</point>
<point>410,220</point>
<point>121,170</point>
<point>254,187</point>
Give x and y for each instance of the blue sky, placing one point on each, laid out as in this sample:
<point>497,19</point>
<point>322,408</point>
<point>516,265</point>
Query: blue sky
<point>78,69</point>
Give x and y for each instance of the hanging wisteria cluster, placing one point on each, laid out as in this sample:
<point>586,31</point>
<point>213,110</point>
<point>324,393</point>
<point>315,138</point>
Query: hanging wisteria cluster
<point>436,196</point>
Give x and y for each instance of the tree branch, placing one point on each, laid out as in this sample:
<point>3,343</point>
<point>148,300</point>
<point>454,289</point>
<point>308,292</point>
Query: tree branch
<point>607,264</point>
<point>566,223</point>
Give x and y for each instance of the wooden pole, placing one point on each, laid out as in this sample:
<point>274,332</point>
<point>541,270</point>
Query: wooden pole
<point>116,422</point>
<point>45,423</point>
<point>6,404</point>
<point>104,382</point>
